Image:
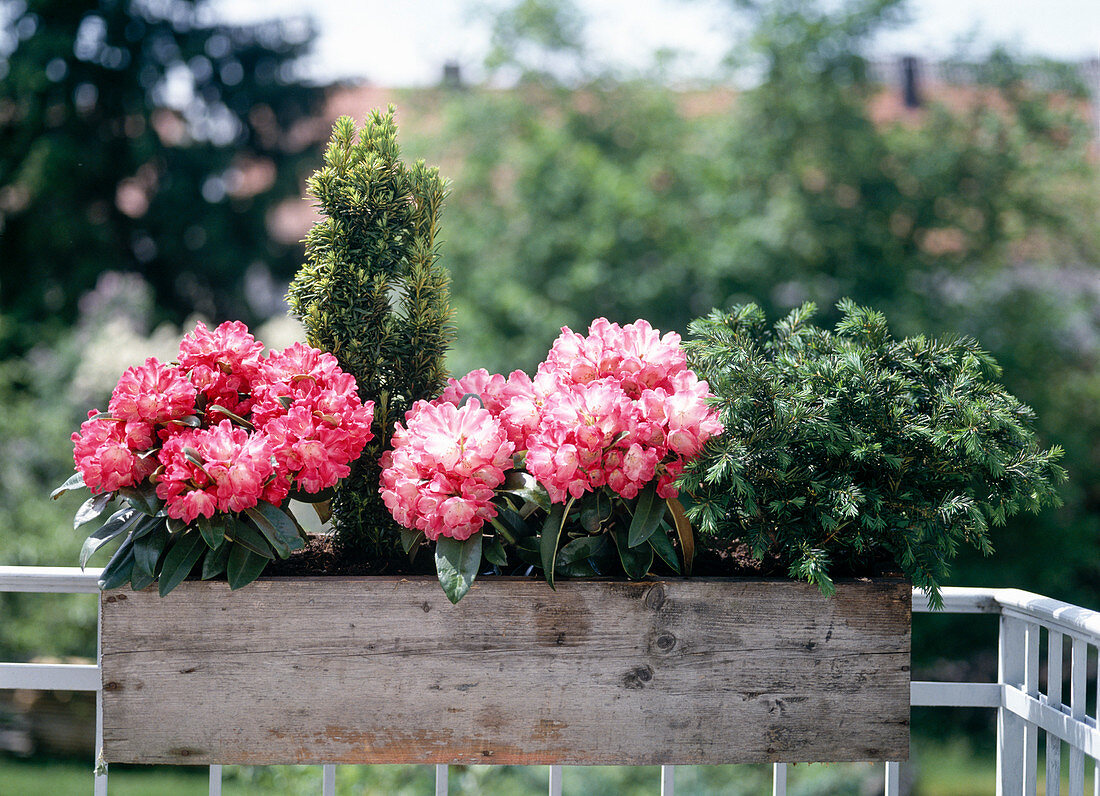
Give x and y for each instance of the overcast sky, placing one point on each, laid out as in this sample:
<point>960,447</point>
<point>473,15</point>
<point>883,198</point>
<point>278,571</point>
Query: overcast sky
<point>405,42</point>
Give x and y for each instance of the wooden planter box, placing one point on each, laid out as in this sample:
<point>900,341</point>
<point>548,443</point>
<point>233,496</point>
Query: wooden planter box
<point>386,670</point>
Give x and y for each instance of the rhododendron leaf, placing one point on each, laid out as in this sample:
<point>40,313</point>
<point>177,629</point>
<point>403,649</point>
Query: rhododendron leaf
<point>240,421</point>
<point>456,564</point>
<point>192,421</point>
<point>215,561</point>
<point>279,529</point>
<point>323,496</point>
<point>528,550</point>
<point>143,498</point>
<point>513,523</point>
<point>648,512</point>
<point>684,531</point>
<point>548,540</point>
<point>92,508</point>
<point>118,569</point>
<point>323,510</point>
<point>147,551</point>
<point>467,397</point>
<point>175,526</point>
<point>75,481</point>
<point>251,539</point>
<point>636,560</point>
<point>213,530</point>
<point>410,538</point>
<point>285,401</point>
<point>495,553</point>
<point>662,546</point>
<point>524,486</point>
<point>580,549</point>
<point>180,560</point>
<point>243,566</point>
<point>116,525</point>
<point>578,569</point>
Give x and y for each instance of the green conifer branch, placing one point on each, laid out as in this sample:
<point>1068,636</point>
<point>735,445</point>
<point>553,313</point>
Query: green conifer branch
<point>373,292</point>
<point>849,446</point>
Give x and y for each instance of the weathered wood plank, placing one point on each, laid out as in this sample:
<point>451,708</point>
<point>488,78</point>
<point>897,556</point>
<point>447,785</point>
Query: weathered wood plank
<point>386,670</point>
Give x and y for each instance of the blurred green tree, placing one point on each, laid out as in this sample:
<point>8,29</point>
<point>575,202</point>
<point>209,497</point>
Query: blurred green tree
<point>583,193</point>
<point>145,137</point>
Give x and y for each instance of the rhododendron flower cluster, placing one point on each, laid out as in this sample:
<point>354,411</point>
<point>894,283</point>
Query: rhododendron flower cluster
<point>617,408</point>
<point>225,428</point>
<point>445,464</point>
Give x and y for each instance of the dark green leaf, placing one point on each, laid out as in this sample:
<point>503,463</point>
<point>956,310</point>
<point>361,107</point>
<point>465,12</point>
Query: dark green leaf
<point>117,524</point>
<point>147,552</point>
<point>279,529</point>
<point>248,537</point>
<point>548,539</point>
<point>578,569</point>
<point>636,560</point>
<point>215,561</point>
<point>143,498</point>
<point>313,497</point>
<point>92,508</point>
<point>410,538</point>
<point>527,549</point>
<point>524,486</point>
<point>244,566</point>
<point>580,549</point>
<point>662,546</point>
<point>512,521</point>
<point>648,512</point>
<point>181,559</point>
<point>240,421</point>
<point>456,564</point>
<point>118,569</point>
<point>213,530</point>
<point>683,531</point>
<point>75,481</point>
<point>495,553</point>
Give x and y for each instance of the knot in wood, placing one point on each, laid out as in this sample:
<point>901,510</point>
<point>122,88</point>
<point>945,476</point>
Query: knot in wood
<point>654,597</point>
<point>665,642</point>
<point>637,677</point>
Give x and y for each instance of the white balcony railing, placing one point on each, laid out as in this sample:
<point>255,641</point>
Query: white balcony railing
<point>1027,622</point>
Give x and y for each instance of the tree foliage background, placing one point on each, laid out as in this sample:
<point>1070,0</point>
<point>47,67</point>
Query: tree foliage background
<point>583,191</point>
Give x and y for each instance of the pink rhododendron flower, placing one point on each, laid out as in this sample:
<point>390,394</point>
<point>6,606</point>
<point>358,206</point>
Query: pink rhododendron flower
<point>233,467</point>
<point>445,463</point>
<point>635,355</point>
<point>587,437</point>
<point>514,402</point>
<point>222,364</point>
<point>106,459</point>
<point>629,379</point>
<point>152,393</point>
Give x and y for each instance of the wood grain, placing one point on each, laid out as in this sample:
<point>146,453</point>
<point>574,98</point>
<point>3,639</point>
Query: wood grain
<point>386,670</point>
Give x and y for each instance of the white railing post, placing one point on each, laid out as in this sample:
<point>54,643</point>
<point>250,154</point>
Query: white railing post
<point>892,785</point>
<point>555,780</point>
<point>328,780</point>
<point>779,779</point>
<point>668,781</point>
<point>441,772</point>
<point>1010,727</point>
<point>1054,699</point>
<point>1077,672</point>
<point>215,780</point>
<point>1031,687</point>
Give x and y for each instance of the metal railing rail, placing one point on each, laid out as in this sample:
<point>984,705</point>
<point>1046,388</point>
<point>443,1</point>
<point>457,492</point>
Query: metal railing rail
<point>1023,709</point>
